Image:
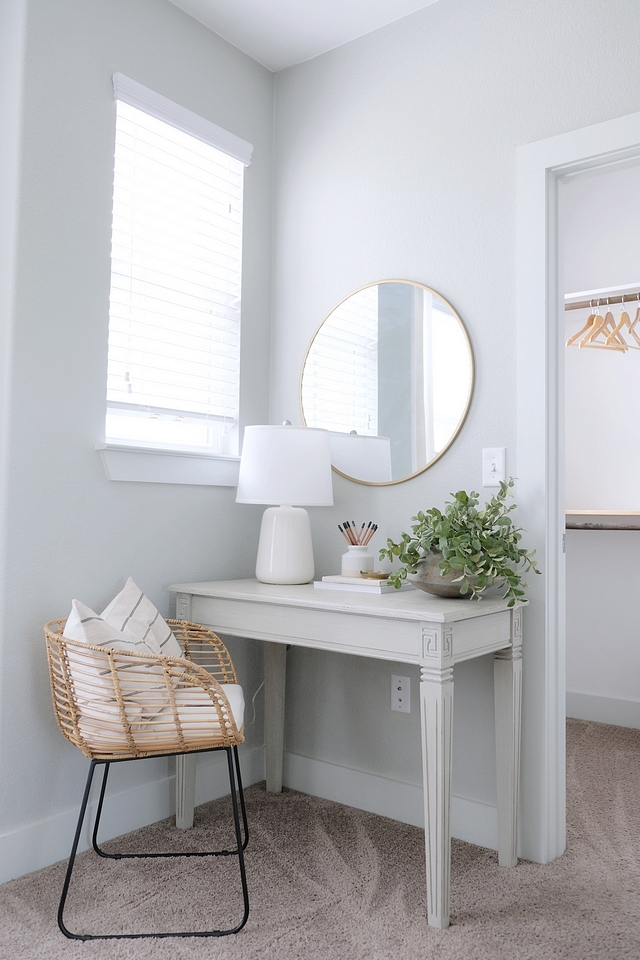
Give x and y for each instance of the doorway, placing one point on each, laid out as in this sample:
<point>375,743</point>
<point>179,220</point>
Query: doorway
<point>540,458</point>
<point>599,217</point>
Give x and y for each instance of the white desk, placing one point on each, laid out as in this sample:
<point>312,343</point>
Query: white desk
<point>407,627</point>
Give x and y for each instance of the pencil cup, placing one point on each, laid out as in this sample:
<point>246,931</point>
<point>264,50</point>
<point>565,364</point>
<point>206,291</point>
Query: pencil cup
<point>356,561</point>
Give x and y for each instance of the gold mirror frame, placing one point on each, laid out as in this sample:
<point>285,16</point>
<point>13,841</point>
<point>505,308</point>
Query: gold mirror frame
<point>454,314</point>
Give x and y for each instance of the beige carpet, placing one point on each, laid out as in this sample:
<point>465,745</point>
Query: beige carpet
<point>328,881</point>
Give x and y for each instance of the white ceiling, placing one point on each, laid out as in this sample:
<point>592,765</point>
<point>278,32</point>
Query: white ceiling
<point>279,33</point>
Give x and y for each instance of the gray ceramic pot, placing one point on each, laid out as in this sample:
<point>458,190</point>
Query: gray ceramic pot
<point>428,578</point>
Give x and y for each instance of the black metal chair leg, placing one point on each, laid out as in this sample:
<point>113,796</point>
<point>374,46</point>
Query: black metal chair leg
<point>242,806</point>
<point>233,767</point>
<point>94,835</point>
<point>72,856</point>
<point>236,821</point>
<point>141,856</point>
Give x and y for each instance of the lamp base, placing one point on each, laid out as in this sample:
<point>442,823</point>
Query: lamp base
<point>285,552</point>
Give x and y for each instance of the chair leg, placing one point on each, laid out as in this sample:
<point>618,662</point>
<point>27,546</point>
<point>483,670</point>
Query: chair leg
<point>140,856</point>
<point>94,835</point>
<point>72,857</point>
<point>242,806</point>
<point>239,851</point>
<point>240,848</point>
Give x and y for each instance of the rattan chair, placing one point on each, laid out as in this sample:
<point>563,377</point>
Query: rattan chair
<point>121,706</point>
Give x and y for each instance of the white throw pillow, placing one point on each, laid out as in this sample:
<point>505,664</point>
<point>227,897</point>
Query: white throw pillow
<point>131,611</point>
<point>84,625</point>
<point>100,723</point>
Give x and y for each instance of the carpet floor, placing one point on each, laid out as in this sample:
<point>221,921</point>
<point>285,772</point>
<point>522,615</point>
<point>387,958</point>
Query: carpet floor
<point>329,882</point>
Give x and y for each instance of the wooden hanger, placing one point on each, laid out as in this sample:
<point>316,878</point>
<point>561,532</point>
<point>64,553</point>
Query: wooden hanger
<point>607,327</point>
<point>597,326</point>
<point>632,325</point>
<point>590,321</point>
<point>624,321</point>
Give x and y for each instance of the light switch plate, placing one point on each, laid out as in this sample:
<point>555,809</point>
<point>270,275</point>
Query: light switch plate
<point>493,466</point>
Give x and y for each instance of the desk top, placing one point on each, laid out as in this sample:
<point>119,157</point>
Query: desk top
<point>414,605</point>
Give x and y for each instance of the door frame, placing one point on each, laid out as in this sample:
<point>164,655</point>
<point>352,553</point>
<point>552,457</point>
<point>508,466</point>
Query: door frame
<point>540,457</point>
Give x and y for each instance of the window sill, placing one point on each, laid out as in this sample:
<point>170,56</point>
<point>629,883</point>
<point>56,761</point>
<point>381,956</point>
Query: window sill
<point>141,465</point>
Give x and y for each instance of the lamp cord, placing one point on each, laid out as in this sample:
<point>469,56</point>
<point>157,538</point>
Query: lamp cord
<point>253,701</point>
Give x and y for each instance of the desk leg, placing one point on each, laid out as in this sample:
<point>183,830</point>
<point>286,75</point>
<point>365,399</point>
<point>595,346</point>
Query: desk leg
<point>436,708</point>
<point>185,790</point>
<point>275,663</point>
<point>507,682</point>
<point>185,763</point>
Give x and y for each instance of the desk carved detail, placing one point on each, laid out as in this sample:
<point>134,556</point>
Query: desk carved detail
<point>514,652</point>
<point>437,644</point>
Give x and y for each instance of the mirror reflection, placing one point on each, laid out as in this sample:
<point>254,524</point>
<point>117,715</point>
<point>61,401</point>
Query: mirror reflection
<point>390,373</point>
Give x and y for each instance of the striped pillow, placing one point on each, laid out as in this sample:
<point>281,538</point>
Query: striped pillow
<point>132,611</point>
<point>85,625</point>
<point>88,673</point>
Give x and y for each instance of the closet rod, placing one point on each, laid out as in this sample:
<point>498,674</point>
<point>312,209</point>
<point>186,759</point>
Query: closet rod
<point>603,296</point>
<point>602,301</point>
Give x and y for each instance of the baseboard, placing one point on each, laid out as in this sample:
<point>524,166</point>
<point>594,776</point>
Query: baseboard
<point>39,844</point>
<point>471,820</point>
<point>586,706</point>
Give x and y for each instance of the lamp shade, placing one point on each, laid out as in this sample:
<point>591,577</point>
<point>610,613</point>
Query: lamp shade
<point>285,465</point>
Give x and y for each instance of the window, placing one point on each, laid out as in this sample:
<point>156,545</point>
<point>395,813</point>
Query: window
<point>176,263</point>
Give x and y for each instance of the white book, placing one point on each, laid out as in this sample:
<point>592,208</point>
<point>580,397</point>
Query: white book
<point>358,584</point>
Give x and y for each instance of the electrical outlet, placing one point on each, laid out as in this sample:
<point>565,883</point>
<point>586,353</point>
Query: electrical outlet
<point>400,694</point>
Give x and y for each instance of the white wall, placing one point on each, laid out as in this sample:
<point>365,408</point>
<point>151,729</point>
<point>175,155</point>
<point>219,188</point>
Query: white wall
<point>600,215</point>
<point>69,532</point>
<point>396,157</point>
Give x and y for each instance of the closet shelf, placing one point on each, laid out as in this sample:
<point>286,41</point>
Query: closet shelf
<point>602,526</point>
<point>577,520</point>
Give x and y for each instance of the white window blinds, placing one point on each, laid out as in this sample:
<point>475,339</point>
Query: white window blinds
<point>176,263</point>
<point>340,381</point>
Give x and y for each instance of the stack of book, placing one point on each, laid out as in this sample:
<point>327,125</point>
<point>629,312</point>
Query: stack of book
<point>360,584</point>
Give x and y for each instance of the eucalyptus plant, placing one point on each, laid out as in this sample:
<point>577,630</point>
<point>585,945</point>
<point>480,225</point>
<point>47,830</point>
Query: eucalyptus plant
<point>481,543</point>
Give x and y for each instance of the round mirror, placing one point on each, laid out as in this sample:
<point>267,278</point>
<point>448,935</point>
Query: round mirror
<point>390,374</point>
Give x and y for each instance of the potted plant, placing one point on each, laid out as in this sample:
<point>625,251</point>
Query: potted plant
<point>461,552</point>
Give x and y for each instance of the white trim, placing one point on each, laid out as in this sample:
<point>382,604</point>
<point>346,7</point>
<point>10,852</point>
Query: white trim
<point>40,844</point>
<point>621,514</point>
<point>471,820</point>
<point>540,494</point>
<point>602,292</point>
<point>141,465</point>
<point>137,95</point>
<point>587,706</point>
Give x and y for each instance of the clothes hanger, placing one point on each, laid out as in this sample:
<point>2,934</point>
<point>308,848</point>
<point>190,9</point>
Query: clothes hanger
<point>635,321</point>
<point>596,327</point>
<point>590,321</point>
<point>606,326</point>
<point>624,321</point>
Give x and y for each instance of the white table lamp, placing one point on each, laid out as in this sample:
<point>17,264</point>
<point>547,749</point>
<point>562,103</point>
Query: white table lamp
<point>285,466</point>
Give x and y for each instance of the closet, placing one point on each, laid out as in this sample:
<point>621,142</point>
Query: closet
<point>600,265</point>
